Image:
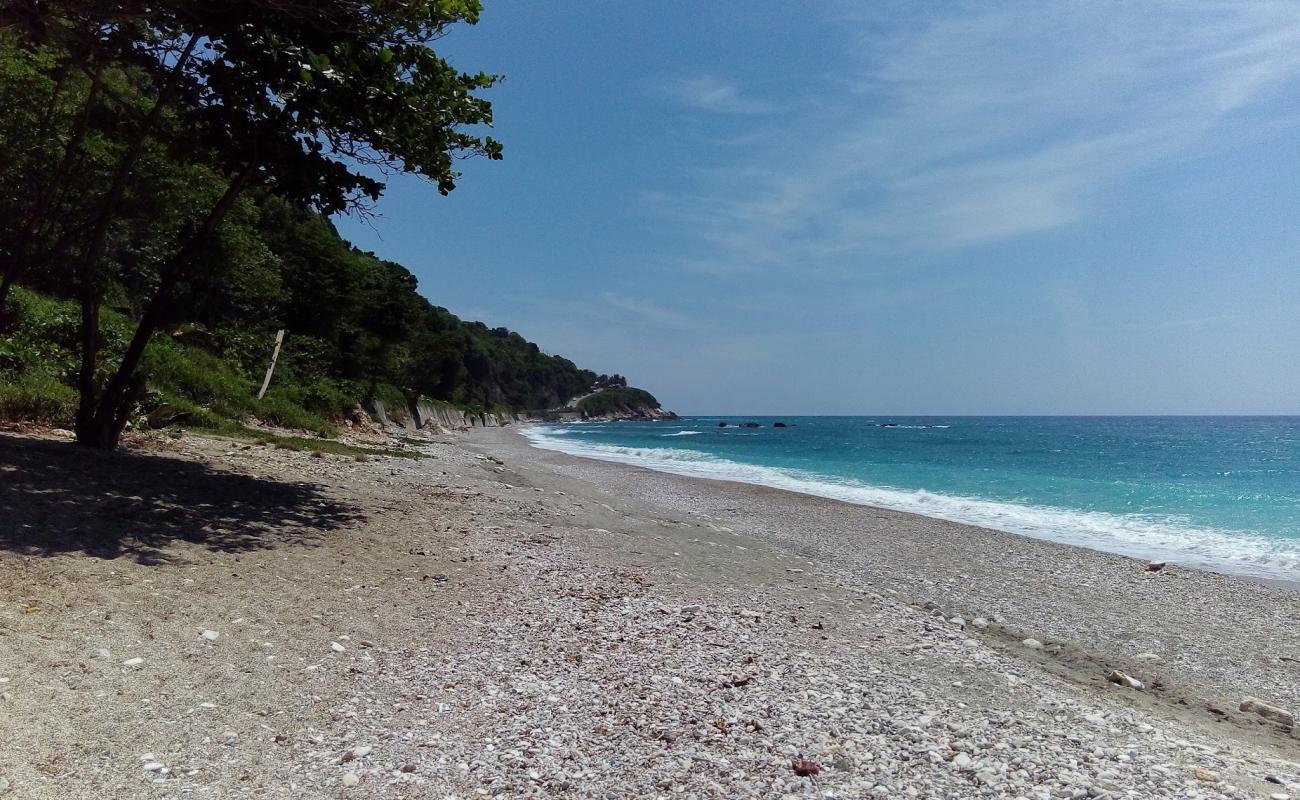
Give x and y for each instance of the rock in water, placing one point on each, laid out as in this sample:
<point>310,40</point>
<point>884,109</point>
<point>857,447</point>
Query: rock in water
<point>1256,706</point>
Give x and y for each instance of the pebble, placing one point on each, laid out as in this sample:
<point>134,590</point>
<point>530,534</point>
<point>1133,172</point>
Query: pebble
<point>351,779</point>
<point>133,662</point>
<point>210,635</point>
<point>1033,644</point>
<point>336,647</point>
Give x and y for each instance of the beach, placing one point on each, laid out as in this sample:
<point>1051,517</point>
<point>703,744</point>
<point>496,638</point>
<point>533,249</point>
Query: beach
<point>203,617</point>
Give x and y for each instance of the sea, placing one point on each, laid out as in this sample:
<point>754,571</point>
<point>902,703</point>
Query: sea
<point>1221,493</point>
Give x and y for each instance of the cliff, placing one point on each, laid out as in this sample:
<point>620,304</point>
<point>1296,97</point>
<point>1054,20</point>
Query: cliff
<point>432,414</point>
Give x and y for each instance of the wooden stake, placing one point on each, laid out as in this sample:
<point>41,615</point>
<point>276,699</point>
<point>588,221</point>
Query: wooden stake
<point>275,356</point>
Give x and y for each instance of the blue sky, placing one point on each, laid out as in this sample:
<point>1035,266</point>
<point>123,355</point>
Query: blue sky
<point>840,208</point>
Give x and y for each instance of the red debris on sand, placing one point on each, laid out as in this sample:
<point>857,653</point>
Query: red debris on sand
<point>805,768</point>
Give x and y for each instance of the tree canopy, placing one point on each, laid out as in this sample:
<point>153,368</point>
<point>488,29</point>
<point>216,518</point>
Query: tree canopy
<point>151,143</point>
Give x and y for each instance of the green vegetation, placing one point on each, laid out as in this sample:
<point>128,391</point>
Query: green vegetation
<point>617,400</point>
<point>165,211</point>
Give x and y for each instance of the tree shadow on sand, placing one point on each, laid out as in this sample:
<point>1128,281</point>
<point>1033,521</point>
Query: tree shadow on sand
<point>58,498</point>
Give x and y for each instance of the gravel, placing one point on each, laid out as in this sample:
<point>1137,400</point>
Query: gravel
<point>580,643</point>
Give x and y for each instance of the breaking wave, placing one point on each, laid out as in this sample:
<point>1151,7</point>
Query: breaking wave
<point>1140,536</point>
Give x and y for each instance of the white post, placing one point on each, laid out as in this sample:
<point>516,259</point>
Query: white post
<point>275,355</point>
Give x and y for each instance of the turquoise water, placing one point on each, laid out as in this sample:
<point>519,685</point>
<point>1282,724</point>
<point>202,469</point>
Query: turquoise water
<point>1216,492</point>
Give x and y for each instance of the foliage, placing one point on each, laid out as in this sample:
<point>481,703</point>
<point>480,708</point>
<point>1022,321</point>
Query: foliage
<point>616,400</point>
<point>139,131</point>
<point>162,180</point>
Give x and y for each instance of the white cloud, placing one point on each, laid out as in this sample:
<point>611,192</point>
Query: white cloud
<point>710,93</point>
<point>987,123</point>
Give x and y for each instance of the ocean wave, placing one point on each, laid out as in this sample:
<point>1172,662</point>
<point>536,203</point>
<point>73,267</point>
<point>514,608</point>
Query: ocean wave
<point>1139,536</point>
<point>683,433</point>
<point>913,427</point>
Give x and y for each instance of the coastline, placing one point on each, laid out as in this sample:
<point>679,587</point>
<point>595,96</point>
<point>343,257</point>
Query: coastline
<point>1217,635</point>
<point>206,616</point>
<point>1143,537</point>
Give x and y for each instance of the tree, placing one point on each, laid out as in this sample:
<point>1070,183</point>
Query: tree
<point>309,100</point>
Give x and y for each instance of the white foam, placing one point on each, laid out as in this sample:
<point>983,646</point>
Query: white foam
<point>683,433</point>
<point>1164,538</point>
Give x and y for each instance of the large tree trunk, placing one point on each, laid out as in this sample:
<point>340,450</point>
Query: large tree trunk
<point>90,430</point>
<point>105,420</point>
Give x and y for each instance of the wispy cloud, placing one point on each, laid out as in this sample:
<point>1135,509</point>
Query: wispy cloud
<point>987,123</point>
<point>649,311</point>
<point>711,93</point>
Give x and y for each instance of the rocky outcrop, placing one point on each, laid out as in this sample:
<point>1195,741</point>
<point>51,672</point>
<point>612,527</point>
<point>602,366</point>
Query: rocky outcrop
<point>430,415</point>
<point>637,414</point>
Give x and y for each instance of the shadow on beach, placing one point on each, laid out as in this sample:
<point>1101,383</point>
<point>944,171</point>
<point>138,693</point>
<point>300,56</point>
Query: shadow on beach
<point>58,498</point>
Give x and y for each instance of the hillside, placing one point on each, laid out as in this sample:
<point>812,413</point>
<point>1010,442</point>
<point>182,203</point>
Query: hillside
<point>207,377</point>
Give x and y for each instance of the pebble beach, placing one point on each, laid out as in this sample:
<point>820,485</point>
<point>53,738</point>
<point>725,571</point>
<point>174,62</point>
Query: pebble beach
<point>205,618</point>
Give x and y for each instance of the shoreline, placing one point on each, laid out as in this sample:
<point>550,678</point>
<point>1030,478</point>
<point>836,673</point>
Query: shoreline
<point>205,616</point>
<point>1103,609</point>
<point>838,493</point>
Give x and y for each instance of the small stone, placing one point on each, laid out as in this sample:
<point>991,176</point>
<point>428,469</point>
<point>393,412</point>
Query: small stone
<point>103,652</point>
<point>336,647</point>
<point>133,662</point>
<point>361,751</point>
<point>958,621</point>
<point>210,635</point>
<point>1203,774</point>
<point>153,766</point>
<point>229,737</point>
<point>351,779</point>
<point>1033,644</point>
<point>980,622</point>
<point>1279,796</point>
<point>1147,657</point>
<point>1155,566</point>
<point>962,761</point>
<point>690,611</point>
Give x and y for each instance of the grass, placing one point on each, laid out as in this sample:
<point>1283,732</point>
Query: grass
<point>193,384</point>
<point>37,398</point>
<point>322,446</point>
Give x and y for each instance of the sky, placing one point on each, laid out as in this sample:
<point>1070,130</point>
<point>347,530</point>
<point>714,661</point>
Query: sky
<point>883,208</point>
